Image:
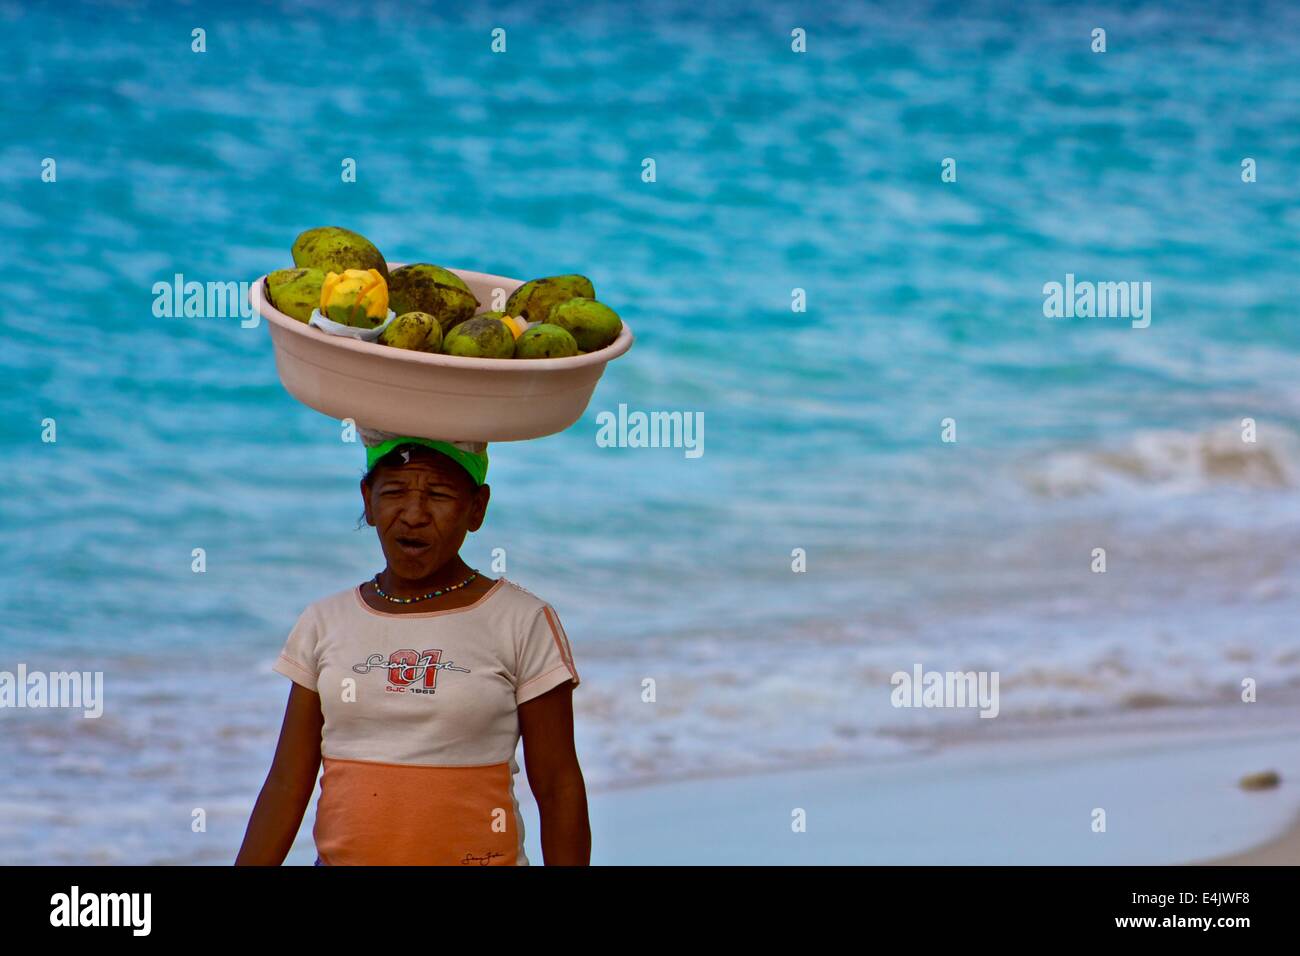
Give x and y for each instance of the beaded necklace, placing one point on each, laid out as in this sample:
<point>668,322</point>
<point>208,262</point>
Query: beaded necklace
<point>423,597</point>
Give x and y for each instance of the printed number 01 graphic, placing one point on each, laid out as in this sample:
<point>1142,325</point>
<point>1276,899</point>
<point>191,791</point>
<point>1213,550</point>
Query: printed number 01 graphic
<point>407,667</point>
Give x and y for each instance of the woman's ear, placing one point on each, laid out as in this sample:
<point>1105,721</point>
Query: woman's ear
<point>478,508</point>
<point>365,499</point>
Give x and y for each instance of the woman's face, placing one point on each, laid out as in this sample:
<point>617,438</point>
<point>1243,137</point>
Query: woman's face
<point>422,511</point>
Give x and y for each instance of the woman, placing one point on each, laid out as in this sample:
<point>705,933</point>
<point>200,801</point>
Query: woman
<point>414,689</point>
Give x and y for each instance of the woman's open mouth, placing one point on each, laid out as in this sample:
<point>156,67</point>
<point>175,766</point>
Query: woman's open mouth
<point>412,547</point>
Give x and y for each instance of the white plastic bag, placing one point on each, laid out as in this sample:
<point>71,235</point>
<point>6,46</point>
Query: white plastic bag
<point>338,328</point>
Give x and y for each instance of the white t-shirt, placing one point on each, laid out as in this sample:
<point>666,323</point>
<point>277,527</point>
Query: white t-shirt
<point>421,723</point>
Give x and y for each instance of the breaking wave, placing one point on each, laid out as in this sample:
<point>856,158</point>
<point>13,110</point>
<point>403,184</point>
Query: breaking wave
<point>1178,462</point>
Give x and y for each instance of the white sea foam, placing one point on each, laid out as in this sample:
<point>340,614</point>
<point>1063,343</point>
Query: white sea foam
<point>1172,461</point>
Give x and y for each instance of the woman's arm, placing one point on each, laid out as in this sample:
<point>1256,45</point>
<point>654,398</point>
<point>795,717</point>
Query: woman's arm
<point>546,724</point>
<point>289,785</point>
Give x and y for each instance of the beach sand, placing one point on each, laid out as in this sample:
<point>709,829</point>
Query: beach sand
<point>1282,850</point>
<point>1169,797</point>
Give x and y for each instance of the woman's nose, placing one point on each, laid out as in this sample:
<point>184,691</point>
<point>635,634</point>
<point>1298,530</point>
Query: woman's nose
<point>415,510</point>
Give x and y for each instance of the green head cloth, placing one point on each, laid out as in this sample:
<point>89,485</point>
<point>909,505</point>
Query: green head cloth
<point>472,456</point>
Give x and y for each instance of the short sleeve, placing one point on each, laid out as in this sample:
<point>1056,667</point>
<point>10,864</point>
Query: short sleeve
<point>545,658</point>
<point>297,660</point>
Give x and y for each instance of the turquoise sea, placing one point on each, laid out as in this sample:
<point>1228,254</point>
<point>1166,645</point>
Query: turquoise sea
<point>775,171</point>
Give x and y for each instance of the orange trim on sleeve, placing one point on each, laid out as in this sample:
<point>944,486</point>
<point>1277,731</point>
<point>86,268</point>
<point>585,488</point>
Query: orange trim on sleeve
<point>561,639</point>
<point>542,677</point>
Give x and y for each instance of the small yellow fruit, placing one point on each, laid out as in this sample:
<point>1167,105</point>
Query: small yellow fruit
<point>355,297</point>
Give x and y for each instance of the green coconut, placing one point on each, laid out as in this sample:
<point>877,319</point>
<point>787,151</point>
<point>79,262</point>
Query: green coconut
<point>480,337</point>
<point>535,299</point>
<point>335,249</point>
<point>545,341</point>
<point>592,324</point>
<point>423,287</point>
<point>417,331</point>
<point>295,292</point>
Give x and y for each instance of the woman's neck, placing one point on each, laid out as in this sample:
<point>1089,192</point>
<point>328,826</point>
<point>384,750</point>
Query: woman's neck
<point>453,572</point>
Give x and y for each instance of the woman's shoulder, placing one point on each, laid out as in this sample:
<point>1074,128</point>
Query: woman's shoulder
<point>517,596</point>
<point>331,605</point>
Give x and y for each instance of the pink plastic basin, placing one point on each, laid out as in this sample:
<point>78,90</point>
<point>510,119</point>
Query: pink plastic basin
<point>431,395</point>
